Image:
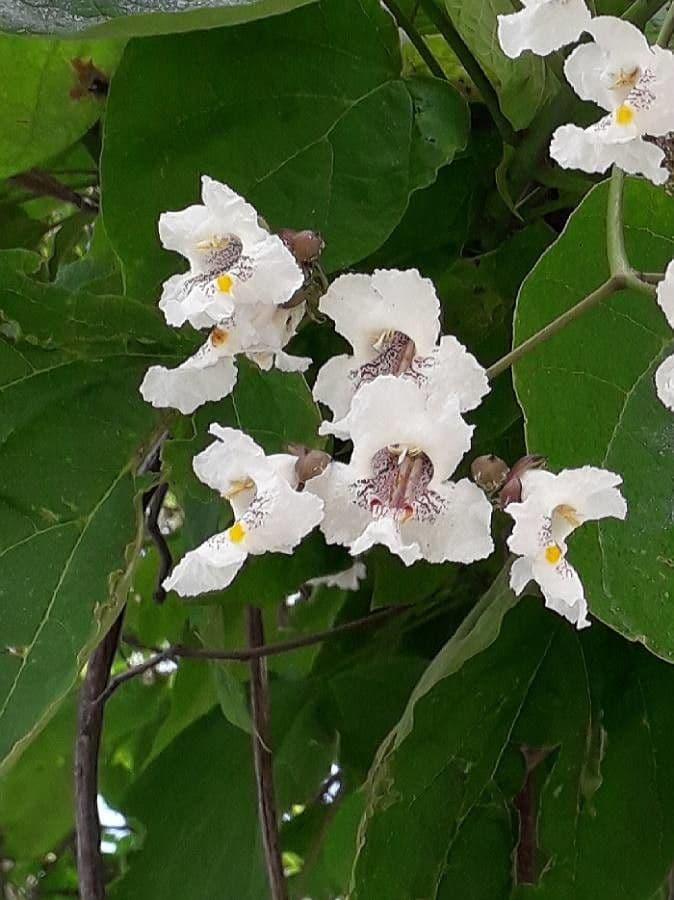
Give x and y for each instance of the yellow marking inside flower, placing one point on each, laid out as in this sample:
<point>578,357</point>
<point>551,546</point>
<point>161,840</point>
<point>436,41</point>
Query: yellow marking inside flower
<point>243,484</point>
<point>219,336</point>
<point>215,242</point>
<point>553,554</point>
<point>626,79</point>
<point>382,339</point>
<point>624,114</point>
<point>237,532</point>
<point>568,513</point>
<point>224,283</point>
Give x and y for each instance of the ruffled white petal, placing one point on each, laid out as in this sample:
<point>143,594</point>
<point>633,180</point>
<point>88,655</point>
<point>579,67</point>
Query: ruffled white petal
<point>335,386</point>
<point>391,410</point>
<point>343,519</point>
<point>664,382</point>
<point>453,370</point>
<point>386,531</point>
<point>279,517</point>
<point>229,460</point>
<point>592,150</point>
<point>665,294</point>
<point>521,573</point>
<point>204,377</point>
<point>461,532</point>
<point>563,591</point>
<point>275,274</point>
<point>364,306</point>
<point>211,567</point>
<point>542,27</point>
<point>230,210</point>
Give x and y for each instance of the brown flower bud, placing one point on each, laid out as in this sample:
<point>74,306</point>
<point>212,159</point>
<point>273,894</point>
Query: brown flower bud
<point>511,490</point>
<point>489,472</point>
<point>310,463</point>
<point>306,246</point>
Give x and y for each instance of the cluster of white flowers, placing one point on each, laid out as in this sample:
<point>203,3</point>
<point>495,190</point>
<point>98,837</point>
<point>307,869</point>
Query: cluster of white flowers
<point>618,70</point>
<point>399,398</point>
<point>239,280</point>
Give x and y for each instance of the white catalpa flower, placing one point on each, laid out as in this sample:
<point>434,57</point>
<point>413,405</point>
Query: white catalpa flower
<point>634,83</point>
<point>552,507</point>
<point>665,293</point>
<point>392,321</point>
<point>406,443</point>
<point>543,26</point>
<point>233,260</point>
<point>664,382</point>
<point>210,374</point>
<point>270,515</point>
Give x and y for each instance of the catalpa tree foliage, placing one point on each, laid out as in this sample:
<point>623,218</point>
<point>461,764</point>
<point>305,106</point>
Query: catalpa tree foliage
<point>337,450</point>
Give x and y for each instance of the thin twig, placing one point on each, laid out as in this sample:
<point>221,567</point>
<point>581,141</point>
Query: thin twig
<point>153,507</point>
<point>42,184</point>
<point>89,726</point>
<point>463,53</point>
<point>178,651</point>
<point>417,41</point>
<point>651,277</point>
<point>609,287</point>
<point>264,773</point>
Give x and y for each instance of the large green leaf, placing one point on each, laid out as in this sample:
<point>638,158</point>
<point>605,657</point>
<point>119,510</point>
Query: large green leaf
<point>140,17</point>
<point>72,430</point>
<point>197,803</point>
<point>289,136</point>
<point>589,398</point>
<point>42,106</point>
<point>522,84</point>
<point>453,811</point>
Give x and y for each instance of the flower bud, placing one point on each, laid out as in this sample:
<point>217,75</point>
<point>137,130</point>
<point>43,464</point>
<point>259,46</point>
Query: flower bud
<point>310,463</point>
<point>489,472</point>
<point>306,246</point>
<point>511,490</point>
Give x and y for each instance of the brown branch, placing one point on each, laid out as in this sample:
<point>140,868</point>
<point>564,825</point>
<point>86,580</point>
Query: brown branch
<point>177,651</point>
<point>153,507</point>
<point>89,727</point>
<point>42,184</point>
<point>264,774</point>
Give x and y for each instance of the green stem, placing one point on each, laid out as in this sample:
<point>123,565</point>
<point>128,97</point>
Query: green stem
<point>667,29</point>
<point>615,235</point>
<point>619,264</point>
<point>614,283</point>
<point>445,27</point>
<point>651,277</point>
<point>417,41</point>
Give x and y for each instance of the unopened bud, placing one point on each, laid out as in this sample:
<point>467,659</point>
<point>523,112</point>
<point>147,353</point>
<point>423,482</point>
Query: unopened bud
<point>310,463</point>
<point>306,246</point>
<point>489,472</point>
<point>511,491</point>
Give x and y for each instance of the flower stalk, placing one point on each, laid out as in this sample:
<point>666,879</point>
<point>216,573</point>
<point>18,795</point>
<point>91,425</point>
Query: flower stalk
<point>445,27</point>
